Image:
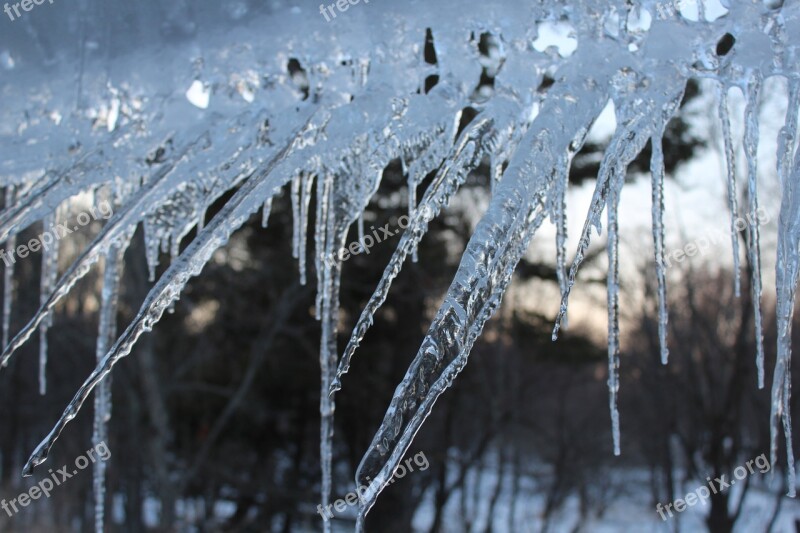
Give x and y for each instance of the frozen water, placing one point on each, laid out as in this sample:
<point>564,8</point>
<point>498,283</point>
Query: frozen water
<point>322,108</point>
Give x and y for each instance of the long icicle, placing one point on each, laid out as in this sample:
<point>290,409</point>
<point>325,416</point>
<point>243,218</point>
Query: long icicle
<point>733,203</point>
<point>560,212</point>
<point>754,248</point>
<point>106,334</point>
<point>559,219</point>
<point>8,273</point>
<point>657,181</point>
<point>787,270</point>
<point>327,356</point>
<point>615,189</point>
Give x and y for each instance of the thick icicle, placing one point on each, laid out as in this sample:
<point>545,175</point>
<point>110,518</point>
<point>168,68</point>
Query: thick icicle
<point>517,209</point>
<point>733,193</point>
<point>107,332</point>
<point>657,182</point>
<point>787,270</point>
<point>754,248</point>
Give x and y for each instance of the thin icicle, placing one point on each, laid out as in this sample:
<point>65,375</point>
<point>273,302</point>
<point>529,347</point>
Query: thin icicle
<point>305,201</point>
<point>8,274</point>
<point>49,276</point>
<point>787,270</point>
<point>626,144</point>
<point>295,196</point>
<point>733,203</point>
<point>560,215</point>
<point>412,208</point>
<point>657,181</point>
<point>754,249</point>
<point>327,275</point>
<point>106,334</point>
<point>266,210</point>
<point>361,231</point>
<point>617,181</point>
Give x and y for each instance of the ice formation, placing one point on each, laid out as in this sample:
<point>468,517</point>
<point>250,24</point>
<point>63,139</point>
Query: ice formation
<point>320,107</point>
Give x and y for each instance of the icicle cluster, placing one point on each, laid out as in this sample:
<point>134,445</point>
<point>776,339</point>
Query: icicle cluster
<point>360,99</point>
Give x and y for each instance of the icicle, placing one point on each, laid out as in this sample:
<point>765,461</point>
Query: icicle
<point>412,208</point>
<point>787,270</point>
<point>305,201</point>
<point>295,196</point>
<point>107,332</point>
<point>8,274</point>
<point>361,231</point>
<point>754,251</point>
<point>266,210</point>
<point>615,186</point>
<point>465,157</point>
<point>733,204</point>
<point>329,238</point>
<point>560,215</point>
<point>657,179</point>
<point>48,280</point>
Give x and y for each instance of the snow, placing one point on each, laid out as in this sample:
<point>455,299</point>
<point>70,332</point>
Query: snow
<point>330,106</point>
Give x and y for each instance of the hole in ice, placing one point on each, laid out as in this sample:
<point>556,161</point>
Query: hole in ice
<point>725,44</point>
<point>430,82</point>
<point>299,76</point>
<point>547,82</point>
<point>430,49</point>
<point>491,59</point>
<point>467,114</point>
